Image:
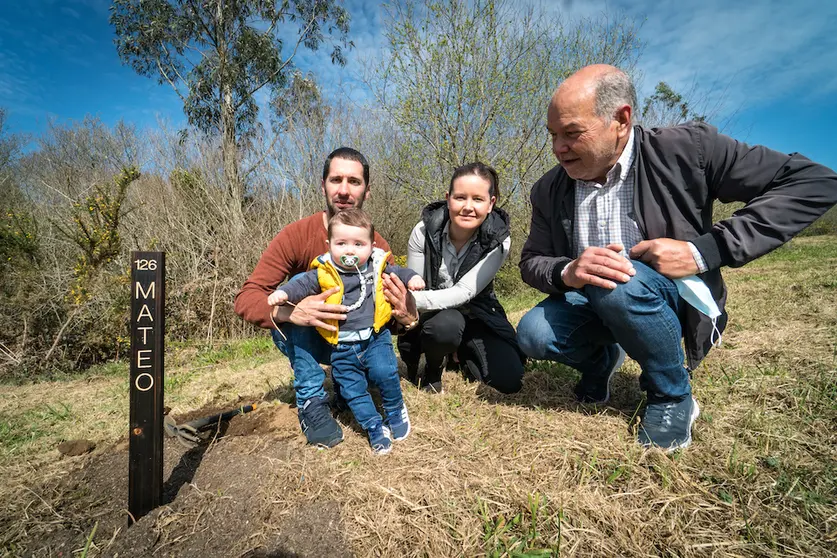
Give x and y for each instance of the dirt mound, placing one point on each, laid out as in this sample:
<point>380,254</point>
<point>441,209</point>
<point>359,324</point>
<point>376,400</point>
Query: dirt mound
<point>217,500</point>
<point>223,510</point>
<point>73,448</point>
<point>280,419</point>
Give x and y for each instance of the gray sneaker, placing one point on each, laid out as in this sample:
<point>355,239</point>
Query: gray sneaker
<point>317,424</point>
<point>596,388</point>
<point>668,424</point>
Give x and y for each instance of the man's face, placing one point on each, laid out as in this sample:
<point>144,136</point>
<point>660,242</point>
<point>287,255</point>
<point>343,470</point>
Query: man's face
<point>344,186</point>
<point>347,240</point>
<point>586,145</point>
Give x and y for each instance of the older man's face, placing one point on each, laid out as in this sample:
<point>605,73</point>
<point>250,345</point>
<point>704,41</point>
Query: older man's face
<point>586,145</point>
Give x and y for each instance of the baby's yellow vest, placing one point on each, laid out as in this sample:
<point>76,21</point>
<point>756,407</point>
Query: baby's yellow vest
<point>329,277</point>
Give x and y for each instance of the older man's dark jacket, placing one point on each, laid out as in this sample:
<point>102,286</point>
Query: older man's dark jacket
<point>679,172</point>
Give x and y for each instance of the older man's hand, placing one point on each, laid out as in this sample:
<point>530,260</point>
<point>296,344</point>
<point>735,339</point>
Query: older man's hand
<point>599,267</point>
<point>671,258</point>
<point>401,299</point>
<point>311,311</point>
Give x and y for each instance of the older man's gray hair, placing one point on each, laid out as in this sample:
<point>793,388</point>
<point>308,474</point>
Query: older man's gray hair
<point>613,90</point>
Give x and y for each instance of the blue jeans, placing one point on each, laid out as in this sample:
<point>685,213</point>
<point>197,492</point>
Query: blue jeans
<point>352,363</point>
<point>307,350</point>
<point>641,315</point>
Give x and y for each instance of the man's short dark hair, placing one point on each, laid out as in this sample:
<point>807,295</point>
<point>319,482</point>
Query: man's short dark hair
<point>351,155</point>
<point>352,217</point>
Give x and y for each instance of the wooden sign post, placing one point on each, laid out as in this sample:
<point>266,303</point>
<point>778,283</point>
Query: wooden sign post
<point>145,448</point>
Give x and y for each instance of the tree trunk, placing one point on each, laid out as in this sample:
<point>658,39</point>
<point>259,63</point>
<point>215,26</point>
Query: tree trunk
<point>229,147</point>
<point>235,188</point>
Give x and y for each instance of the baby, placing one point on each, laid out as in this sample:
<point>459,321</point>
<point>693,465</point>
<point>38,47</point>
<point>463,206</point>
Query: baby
<point>362,346</point>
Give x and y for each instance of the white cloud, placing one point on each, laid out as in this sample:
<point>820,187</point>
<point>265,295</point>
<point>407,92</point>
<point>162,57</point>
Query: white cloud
<point>19,91</point>
<point>742,54</point>
<point>760,50</point>
<point>366,35</point>
<point>100,7</point>
<point>749,53</point>
<point>70,12</point>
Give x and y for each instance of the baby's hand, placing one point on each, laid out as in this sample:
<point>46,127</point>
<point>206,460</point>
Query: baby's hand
<point>416,283</point>
<point>277,298</point>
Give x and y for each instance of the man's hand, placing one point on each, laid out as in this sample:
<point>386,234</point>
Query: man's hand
<point>599,267</point>
<point>671,258</point>
<point>311,311</point>
<point>402,300</point>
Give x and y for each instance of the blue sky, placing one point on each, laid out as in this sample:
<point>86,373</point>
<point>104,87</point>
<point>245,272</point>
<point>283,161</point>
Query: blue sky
<point>774,64</point>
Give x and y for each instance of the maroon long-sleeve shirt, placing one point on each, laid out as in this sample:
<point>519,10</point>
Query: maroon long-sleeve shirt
<point>290,252</point>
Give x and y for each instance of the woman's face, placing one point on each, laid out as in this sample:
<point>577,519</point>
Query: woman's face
<point>469,202</point>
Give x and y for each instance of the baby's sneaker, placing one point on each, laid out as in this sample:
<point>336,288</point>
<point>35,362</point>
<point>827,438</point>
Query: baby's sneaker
<point>380,440</point>
<point>398,422</point>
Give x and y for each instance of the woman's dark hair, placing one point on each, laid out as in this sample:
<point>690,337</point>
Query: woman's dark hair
<point>483,171</point>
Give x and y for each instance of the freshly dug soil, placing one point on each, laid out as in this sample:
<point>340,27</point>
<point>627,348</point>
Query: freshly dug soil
<point>217,499</point>
<point>73,448</point>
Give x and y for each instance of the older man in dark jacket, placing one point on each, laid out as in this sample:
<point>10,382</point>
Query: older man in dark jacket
<point>622,237</point>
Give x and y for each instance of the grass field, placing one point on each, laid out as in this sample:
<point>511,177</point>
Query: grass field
<point>534,474</point>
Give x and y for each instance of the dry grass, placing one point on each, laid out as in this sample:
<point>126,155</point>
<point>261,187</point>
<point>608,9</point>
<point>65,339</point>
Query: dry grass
<point>485,474</point>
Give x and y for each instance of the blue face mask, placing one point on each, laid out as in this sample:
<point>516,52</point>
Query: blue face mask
<point>693,290</point>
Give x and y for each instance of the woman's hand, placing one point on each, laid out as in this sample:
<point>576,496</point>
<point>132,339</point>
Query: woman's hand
<point>402,301</point>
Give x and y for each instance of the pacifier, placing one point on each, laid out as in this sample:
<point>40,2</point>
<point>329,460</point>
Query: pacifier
<point>349,261</point>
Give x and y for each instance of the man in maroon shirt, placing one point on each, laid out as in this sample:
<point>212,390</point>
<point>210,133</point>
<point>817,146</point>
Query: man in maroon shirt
<point>345,184</point>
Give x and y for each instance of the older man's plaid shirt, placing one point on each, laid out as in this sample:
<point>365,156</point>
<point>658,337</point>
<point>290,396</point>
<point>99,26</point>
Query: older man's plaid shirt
<point>603,211</point>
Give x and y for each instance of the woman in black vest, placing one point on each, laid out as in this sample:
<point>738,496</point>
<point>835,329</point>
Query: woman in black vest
<point>458,247</point>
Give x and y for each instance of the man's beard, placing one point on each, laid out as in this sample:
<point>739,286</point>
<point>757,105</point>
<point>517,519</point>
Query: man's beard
<point>332,210</point>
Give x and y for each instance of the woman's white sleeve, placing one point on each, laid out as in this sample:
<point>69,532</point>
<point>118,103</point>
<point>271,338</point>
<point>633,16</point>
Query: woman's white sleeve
<point>415,250</point>
<point>471,284</point>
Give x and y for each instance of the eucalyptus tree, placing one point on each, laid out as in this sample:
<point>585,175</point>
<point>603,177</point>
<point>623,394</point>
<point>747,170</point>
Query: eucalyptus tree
<point>217,54</point>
